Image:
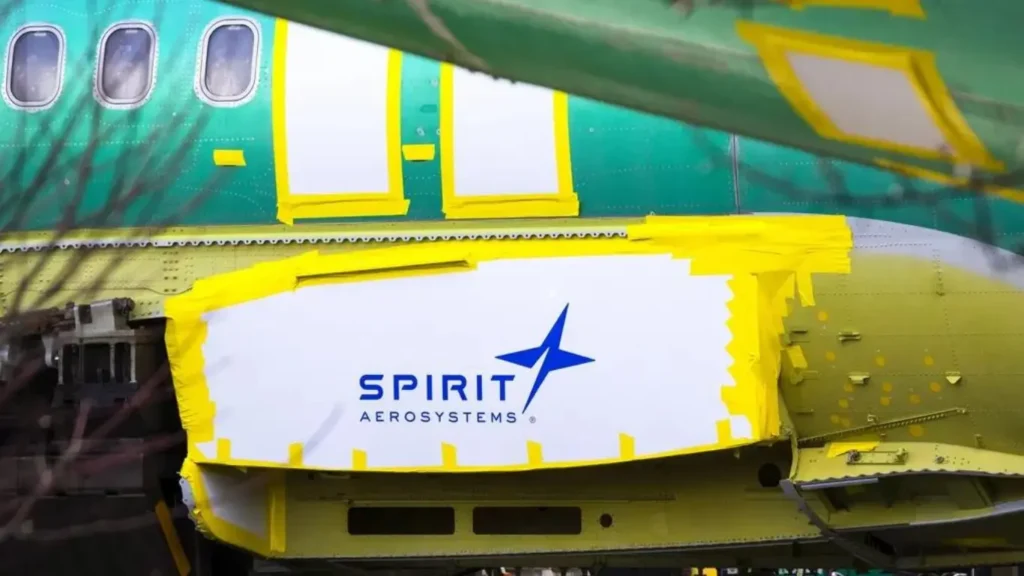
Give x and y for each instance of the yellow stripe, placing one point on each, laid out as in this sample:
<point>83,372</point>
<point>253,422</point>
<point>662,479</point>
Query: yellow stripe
<point>163,517</point>
<point>446,98</point>
<point>229,158</point>
<point>907,8</point>
<point>563,155</point>
<point>627,447</point>
<point>418,152</point>
<point>534,453</point>
<point>723,429</point>
<point>394,127</point>
<point>277,119</point>
<point>449,457</point>
<point>223,450</point>
<point>295,454</point>
<point>276,518</point>
<point>359,460</point>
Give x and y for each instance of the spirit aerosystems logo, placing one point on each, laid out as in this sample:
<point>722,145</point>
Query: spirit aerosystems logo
<point>458,395</point>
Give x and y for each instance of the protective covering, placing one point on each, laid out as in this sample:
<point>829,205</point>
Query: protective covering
<point>492,355</point>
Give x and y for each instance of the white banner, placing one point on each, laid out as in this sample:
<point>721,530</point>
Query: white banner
<point>520,362</point>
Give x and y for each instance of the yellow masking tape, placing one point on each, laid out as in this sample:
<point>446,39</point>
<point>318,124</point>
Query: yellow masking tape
<point>723,429</point>
<point>277,520</point>
<point>534,453</point>
<point>177,551</point>
<point>764,256</point>
<point>749,391</point>
<point>359,460</point>
<point>295,454</point>
<point>223,450</point>
<point>1011,194</point>
<point>229,158</point>
<point>796,357</point>
<point>805,288</point>
<point>449,457</point>
<point>627,447</point>
<point>907,8</point>
<point>418,152</point>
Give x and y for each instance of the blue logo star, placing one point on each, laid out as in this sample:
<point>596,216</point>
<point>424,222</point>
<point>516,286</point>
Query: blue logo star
<point>555,359</point>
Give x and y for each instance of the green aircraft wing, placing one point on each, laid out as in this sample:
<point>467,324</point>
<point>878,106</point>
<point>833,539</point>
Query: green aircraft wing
<point>926,87</point>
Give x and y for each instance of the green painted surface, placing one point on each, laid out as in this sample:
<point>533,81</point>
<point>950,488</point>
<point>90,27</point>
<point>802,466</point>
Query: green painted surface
<point>652,55</point>
<point>625,163</point>
<point>155,146</point>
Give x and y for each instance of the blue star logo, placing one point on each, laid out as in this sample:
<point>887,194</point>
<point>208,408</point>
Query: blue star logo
<point>554,357</point>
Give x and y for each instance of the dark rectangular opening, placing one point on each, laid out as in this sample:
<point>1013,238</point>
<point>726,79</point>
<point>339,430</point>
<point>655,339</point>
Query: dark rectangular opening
<point>96,358</point>
<point>122,363</point>
<point>69,360</point>
<point>405,521</point>
<point>527,520</point>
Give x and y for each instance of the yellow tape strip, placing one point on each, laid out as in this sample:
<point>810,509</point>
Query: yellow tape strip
<point>277,521</point>
<point>359,460</point>
<point>534,454</point>
<point>229,157</point>
<point>627,447</point>
<point>1012,194</point>
<point>295,455</point>
<point>177,551</point>
<point>907,8</point>
<point>418,152</point>
<point>449,456</point>
<point>796,357</point>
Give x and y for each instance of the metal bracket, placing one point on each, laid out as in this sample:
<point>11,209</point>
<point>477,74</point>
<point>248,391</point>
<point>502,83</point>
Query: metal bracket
<point>856,549</point>
<point>876,426</point>
<point>877,457</point>
<point>848,336</point>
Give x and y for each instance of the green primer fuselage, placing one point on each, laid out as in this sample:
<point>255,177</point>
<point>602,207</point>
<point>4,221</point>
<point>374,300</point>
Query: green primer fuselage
<point>932,323</point>
<point>624,163</point>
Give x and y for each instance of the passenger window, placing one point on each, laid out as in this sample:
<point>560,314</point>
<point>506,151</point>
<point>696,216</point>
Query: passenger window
<point>127,58</point>
<point>35,67</point>
<point>230,61</point>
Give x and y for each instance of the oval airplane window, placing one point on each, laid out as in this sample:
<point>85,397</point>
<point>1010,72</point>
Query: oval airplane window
<point>127,58</point>
<point>230,61</point>
<point>35,68</point>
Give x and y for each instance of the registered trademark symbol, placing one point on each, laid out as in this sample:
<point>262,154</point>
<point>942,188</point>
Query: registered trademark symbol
<point>533,420</point>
